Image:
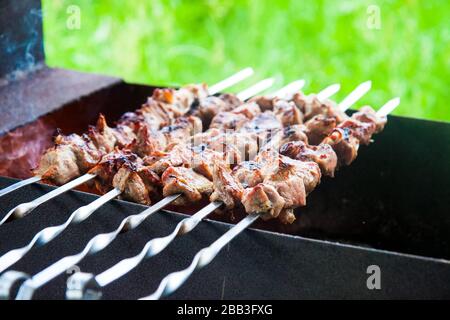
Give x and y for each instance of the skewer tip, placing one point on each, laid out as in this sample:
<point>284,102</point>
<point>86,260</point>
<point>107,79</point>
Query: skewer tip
<point>355,95</point>
<point>329,91</point>
<point>388,107</point>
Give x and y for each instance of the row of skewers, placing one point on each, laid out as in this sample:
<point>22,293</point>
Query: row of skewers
<point>264,156</point>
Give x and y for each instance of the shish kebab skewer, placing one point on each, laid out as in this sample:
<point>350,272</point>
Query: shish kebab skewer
<point>174,280</point>
<point>23,209</point>
<point>81,214</point>
<point>96,244</point>
<point>216,88</point>
<point>79,284</point>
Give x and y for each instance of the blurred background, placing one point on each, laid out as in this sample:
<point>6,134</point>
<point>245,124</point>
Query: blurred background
<point>401,45</point>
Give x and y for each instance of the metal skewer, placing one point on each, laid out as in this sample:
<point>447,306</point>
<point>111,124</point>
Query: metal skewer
<point>87,286</point>
<point>174,280</point>
<point>95,245</point>
<point>216,88</point>
<point>230,81</point>
<point>355,95</point>
<point>23,209</point>
<point>46,235</point>
<point>255,89</point>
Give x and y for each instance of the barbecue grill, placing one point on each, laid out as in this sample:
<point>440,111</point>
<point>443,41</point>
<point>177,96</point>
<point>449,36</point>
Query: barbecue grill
<point>390,213</point>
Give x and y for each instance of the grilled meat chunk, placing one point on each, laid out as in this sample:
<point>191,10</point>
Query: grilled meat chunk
<point>319,127</point>
<point>159,161</point>
<point>248,173</point>
<point>206,109</point>
<point>228,121</point>
<point>323,155</point>
<point>186,181</point>
<point>71,156</point>
<point>311,106</point>
<point>250,110</point>
<point>344,144</point>
<point>85,151</point>
<point>287,113</point>
<point>263,199</point>
<point>264,102</point>
<point>285,186</point>
<point>294,133</point>
<point>109,165</point>
<point>235,146</point>
<point>136,182</point>
<point>368,115</point>
<point>147,141</point>
<point>265,126</point>
<point>231,100</point>
<point>181,130</point>
<point>58,165</point>
<point>226,187</point>
<point>103,136</point>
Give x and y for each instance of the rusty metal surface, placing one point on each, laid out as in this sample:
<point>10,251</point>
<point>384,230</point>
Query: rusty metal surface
<point>43,91</point>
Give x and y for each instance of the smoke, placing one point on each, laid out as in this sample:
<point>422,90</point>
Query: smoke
<point>20,44</point>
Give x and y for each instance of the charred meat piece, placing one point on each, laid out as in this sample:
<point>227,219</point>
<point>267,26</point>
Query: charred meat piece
<point>186,181</point>
<point>206,109</point>
<point>265,126</point>
<point>265,103</point>
<point>136,182</point>
<point>231,100</point>
<point>85,151</point>
<point>159,161</point>
<point>103,136</point>
<point>263,199</point>
<point>319,127</point>
<point>362,131</point>
<point>58,165</point>
<point>71,156</point>
<point>181,130</point>
<point>311,106</point>
<point>147,141</point>
<point>109,165</point>
<point>228,121</point>
<point>178,102</point>
<point>294,133</point>
<point>250,110</point>
<point>106,138</point>
<point>344,144</point>
<point>235,146</point>
<point>323,155</point>
<point>287,216</point>
<point>287,113</point>
<point>248,173</point>
<point>367,115</point>
<point>226,187</point>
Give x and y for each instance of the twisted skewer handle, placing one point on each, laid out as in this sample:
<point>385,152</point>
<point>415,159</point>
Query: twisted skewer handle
<point>86,286</point>
<point>96,244</point>
<point>155,246</point>
<point>23,209</point>
<point>48,234</point>
<point>174,280</point>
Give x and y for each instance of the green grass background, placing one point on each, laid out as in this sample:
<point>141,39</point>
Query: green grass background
<point>324,41</point>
